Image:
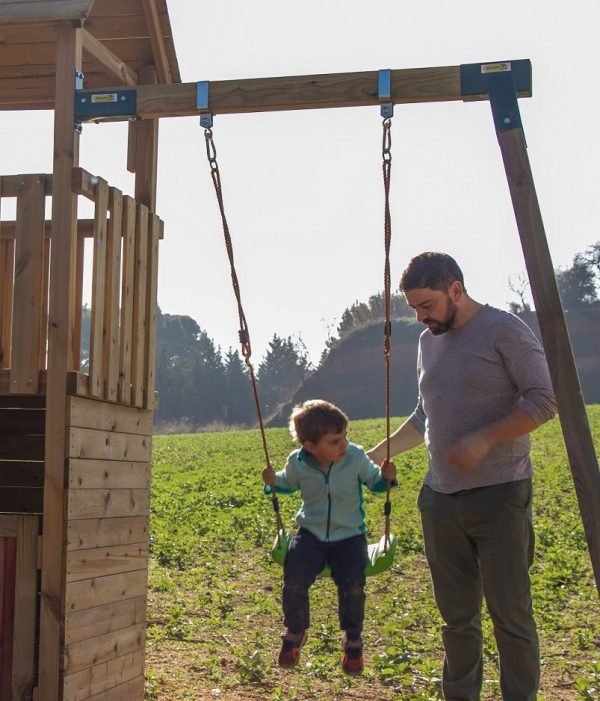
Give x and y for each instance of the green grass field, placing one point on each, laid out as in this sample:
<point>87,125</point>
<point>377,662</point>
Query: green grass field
<point>215,613</point>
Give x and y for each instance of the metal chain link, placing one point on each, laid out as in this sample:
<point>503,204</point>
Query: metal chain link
<point>244,334</point>
<point>387,225</point>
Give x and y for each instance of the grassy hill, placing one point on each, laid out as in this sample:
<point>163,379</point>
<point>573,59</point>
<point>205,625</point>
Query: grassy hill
<point>215,614</point>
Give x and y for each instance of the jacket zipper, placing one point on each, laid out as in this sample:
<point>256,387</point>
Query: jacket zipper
<point>328,492</point>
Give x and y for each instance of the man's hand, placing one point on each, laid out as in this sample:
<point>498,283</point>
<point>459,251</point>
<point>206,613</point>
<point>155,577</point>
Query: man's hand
<point>469,451</point>
<point>388,470</point>
<point>268,475</point>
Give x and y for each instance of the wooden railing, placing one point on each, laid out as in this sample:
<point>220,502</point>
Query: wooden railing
<point>124,237</point>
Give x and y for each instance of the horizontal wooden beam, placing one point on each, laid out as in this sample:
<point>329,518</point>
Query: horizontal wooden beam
<point>411,85</point>
<point>108,60</point>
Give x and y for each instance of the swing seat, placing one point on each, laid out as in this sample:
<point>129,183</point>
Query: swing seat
<point>380,559</point>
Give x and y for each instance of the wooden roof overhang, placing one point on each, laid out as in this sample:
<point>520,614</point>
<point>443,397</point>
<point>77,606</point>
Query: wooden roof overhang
<point>120,37</point>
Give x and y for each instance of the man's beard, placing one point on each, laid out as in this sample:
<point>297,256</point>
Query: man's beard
<point>436,327</point>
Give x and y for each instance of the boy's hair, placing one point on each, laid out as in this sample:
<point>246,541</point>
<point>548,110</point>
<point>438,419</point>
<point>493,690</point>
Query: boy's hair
<point>434,270</point>
<point>312,419</point>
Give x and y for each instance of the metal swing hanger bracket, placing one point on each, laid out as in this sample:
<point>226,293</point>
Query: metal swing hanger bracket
<point>503,82</point>
<point>206,118</point>
<point>384,92</point>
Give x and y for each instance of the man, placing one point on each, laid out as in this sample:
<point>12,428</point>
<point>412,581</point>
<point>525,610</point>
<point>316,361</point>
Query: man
<point>483,387</point>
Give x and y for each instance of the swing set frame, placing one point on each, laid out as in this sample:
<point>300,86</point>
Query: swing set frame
<point>72,415</point>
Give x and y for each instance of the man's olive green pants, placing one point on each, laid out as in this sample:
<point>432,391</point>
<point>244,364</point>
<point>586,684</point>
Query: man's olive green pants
<point>479,542</point>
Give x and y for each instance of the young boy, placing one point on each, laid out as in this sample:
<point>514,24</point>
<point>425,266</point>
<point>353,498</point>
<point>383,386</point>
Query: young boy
<point>329,472</point>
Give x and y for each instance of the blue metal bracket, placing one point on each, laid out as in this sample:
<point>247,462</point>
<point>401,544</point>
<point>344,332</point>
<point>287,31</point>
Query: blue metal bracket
<point>502,82</point>
<point>206,119</point>
<point>103,105</point>
<point>384,93</point>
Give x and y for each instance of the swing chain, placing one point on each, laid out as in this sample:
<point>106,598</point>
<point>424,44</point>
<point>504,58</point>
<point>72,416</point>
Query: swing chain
<point>387,174</point>
<point>244,334</point>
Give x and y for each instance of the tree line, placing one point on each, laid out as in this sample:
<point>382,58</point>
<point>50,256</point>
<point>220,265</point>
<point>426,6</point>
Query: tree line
<point>201,385</point>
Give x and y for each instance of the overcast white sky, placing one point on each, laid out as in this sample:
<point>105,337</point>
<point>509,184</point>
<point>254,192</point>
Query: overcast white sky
<point>303,190</point>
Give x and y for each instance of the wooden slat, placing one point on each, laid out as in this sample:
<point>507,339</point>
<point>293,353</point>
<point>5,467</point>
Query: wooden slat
<point>90,593</point>
<point>86,653</point>
<point>108,445</point>
<point>44,325</point>
<point>110,352</point>
<point>122,8</point>
<point>151,313</point>
<point>89,623</point>
<point>7,266</point>
<point>22,401</point>
<point>21,500</point>
<point>22,421</point>
<point>139,306</point>
<point>110,62</point>
<point>102,532</point>
<point>25,607</point>
<point>60,359</point>
<point>44,11</point>
<point>22,447</point>
<point>127,297</point>
<point>107,503</point>
<point>5,382</point>
<point>12,184</point>
<point>124,692</point>
<point>8,559</point>
<point>78,321</point>
<point>159,49</point>
<point>107,474</point>
<point>88,413</point>
<point>8,526</point>
<point>101,678</point>
<point>19,473</point>
<point>100,562</point>
<point>97,380</point>
<point>124,27</point>
<point>29,275</point>
<point>85,229</point>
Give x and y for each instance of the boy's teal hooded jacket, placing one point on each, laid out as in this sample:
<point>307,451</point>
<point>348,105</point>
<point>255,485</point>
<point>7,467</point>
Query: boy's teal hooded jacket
<point>332,501</point>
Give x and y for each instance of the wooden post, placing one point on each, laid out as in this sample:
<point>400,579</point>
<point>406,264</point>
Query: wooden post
<point>60,360</point>
<point>571,405</point>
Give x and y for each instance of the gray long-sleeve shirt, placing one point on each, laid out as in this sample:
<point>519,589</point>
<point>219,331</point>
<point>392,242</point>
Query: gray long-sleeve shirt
<point>470,377</point>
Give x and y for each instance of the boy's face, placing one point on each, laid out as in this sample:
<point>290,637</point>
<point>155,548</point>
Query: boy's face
<point>329,448</point>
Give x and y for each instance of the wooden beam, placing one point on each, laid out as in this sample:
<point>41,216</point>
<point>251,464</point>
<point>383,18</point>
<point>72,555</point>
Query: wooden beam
<point>159,50</point>
<point>108,60</point>
<point>145,151</point>
<point>60,361</point>
<point>571,406</point>
<point>20,11</point>
<point>411,85</point>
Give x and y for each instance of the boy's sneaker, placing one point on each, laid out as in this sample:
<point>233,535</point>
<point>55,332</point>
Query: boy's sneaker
<point>353,663</point>
<point>290,648</point>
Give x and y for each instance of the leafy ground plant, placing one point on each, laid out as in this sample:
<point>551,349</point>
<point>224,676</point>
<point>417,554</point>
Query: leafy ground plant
<point>215,595</point>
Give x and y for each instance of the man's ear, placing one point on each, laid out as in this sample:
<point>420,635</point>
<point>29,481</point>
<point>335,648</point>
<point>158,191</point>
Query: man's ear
<point>456,290</point>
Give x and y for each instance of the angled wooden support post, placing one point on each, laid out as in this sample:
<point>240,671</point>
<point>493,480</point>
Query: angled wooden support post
<point>571,405</point>
<point>60,361</point>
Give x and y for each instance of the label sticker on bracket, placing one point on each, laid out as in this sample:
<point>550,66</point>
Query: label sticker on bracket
<point>496,67</point>
<point>105,97</point>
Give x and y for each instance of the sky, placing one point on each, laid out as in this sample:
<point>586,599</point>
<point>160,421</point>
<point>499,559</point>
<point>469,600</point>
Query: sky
<point>303,190</point>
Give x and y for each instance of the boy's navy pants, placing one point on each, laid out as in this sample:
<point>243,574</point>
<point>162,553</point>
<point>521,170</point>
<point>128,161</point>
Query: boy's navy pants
<point>306,557</point>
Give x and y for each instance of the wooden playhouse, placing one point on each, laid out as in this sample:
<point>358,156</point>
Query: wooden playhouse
<point>75,446</point>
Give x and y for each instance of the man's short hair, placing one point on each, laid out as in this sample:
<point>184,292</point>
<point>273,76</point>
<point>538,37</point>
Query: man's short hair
<point>430,269</point>
<point>312,419</point>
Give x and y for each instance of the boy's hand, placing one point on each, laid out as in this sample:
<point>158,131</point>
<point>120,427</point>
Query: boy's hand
<point>268,475</point>
<point>388,470</point>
